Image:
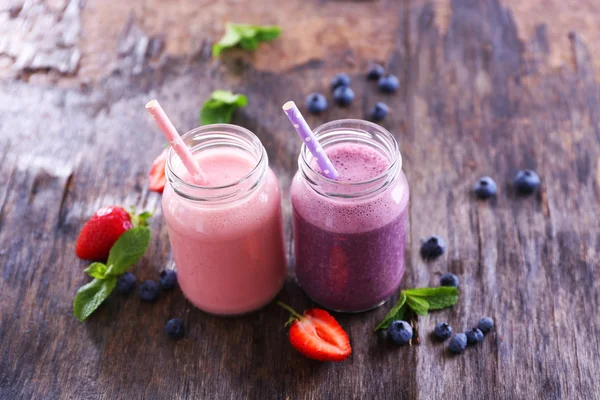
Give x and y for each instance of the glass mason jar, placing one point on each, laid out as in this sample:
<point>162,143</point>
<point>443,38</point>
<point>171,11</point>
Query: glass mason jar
<point>350,233</point>
<point>226,237</point>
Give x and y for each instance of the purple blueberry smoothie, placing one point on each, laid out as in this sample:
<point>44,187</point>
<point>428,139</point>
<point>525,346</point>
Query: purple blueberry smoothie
<point>349,235</point>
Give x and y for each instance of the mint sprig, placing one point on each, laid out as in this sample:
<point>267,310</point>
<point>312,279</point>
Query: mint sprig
<point>220,106</point>
<point>245,36</point>
<point>420,301</point>
<point>127,250</point>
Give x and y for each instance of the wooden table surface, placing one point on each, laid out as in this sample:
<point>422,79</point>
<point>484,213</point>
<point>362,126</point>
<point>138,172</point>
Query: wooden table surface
<point>488,87</point>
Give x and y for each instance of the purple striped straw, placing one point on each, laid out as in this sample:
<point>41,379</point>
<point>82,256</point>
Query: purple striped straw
<point>293,114</point>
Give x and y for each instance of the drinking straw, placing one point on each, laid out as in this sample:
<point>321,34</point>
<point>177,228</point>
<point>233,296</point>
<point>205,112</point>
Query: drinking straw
<point>175,141</point>
<point>311,142</point>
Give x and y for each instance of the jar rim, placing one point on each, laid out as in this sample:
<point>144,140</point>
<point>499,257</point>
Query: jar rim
<point>245,139</point>
<point>365,130</point>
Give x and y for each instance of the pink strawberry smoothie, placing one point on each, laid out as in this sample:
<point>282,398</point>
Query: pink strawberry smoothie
<point>229,254</point>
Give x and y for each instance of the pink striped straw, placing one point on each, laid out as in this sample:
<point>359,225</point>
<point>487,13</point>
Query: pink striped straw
<point>175,141</point>
<point>311,142</point>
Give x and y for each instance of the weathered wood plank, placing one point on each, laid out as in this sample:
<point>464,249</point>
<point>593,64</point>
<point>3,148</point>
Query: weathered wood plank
<point>481,95</point>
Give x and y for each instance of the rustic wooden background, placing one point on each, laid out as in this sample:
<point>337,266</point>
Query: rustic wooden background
<point>488,87</point>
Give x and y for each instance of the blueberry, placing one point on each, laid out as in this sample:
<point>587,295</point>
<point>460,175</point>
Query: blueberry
<point>389,83</point>
<point>375,72</point>
<point>400,332</point>
<point>527,181</point>
<point>486,324</point>
<point>474,336</point>
<point>379,111</point>
<point>343,96</point>
<point>485,188</point>
<point>442,331</point>
<point>316,103</point>
<point>340,80</point>
<point>458,343</point>
<point>449,279</point>
<point>175,328</point>
<point>433,247</point>
<point>126,283</point>
<point>168,279</point>
<point>149,291</point>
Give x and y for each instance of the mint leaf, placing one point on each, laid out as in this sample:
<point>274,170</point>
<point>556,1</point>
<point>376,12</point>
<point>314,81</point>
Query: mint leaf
<point>228,97</point>
<point>127,250</point>
<point>245,36</point>
<point>90,296</point>
<point>96,270</point>
<point>438,298</point>
<point>418,305</point>
<point>397,312</point>
<point>268,33</point>
<point>230,39</point>
<point>220,106</point>
<point>420,300</point>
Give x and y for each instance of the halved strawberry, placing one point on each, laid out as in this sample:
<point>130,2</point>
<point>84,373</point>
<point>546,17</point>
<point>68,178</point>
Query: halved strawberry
<point>317,335</point>
<point>157,178</point>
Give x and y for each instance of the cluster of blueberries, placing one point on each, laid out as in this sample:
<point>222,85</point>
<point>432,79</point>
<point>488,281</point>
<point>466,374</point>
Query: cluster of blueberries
<point>526,182</point>
<point>400,332</point>
<point>343,95</point>
<point>460,341</point>
<point>149,291</point>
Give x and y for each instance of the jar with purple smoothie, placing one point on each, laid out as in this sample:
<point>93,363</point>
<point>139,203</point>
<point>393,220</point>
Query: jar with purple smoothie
<point>350,233</point>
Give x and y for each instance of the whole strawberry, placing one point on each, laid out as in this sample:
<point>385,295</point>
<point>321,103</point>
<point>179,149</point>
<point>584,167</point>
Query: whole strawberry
<point>103,229</point>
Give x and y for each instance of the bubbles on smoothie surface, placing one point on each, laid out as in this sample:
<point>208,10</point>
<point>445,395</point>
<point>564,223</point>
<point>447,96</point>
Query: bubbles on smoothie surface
<point>355,162</point>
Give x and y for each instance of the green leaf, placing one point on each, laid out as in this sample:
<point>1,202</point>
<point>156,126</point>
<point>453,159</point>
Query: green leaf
<point>140,219</point>
<point>127,250</point>
<point>230,39</point>
<point>397,312</point>
<point>438,298</point>
<point>227,97</point>
<point>418,305</point>
<point>420,300</point>
<point>268,33</point>
<point>96,270</point>
<point>249,43</point>
<point>90,296</point>
<point>220,106</point>
<point>245,36</point>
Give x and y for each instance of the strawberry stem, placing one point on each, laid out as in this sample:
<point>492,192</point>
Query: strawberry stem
<point>290,309</point>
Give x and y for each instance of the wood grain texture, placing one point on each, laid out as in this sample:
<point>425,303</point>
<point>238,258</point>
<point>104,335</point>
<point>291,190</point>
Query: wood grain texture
<point>480,95</point>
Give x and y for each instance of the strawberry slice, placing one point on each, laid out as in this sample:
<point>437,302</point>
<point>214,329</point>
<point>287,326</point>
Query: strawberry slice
<point>317,335</point>
<point>157,179</point>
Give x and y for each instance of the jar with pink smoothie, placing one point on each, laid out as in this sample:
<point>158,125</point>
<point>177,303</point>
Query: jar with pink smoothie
<point>350,233</point>
<point>226,236</point>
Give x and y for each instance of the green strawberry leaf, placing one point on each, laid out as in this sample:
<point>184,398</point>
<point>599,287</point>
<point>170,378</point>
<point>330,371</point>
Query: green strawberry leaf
<point>245,36</point>
<point>219,108</point>
<point>140,219</point>
<point>96,270</point>
<point>128,250</point>
<point>397,312</point>
<point>90,296</point>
